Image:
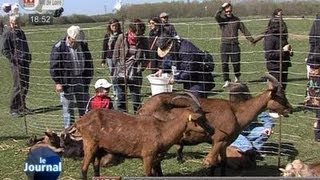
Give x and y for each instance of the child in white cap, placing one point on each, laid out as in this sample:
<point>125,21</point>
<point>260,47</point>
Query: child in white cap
<point>101,99</point>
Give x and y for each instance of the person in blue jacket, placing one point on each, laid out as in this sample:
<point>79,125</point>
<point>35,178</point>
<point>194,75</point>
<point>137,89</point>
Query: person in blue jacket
<point>256,134</point>
<point>71,68</point>
<point>188,60</point>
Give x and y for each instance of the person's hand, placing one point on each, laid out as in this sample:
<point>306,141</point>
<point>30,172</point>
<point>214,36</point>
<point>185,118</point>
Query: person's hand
<point>287,47</point>
<point>171,80</point>
<point>158,73</point>
<point>268,131</point>
<point>254,41</point>
<point>59,88</point>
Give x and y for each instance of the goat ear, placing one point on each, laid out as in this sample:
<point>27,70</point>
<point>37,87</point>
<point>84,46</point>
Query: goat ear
<point>282,170</point>
<point>48,134</point>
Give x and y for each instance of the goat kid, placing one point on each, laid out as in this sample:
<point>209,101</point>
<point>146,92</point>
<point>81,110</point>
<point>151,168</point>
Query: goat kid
<point>225,118</point>
<point>299,169</point>
<point>50,140</point>
<point>135,136</point>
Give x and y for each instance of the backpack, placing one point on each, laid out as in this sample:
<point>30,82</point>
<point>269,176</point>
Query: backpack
<point>206,62</point>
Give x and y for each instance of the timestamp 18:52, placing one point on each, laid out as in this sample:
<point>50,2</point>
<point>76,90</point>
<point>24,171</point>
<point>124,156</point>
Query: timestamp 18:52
<point>40,19</point>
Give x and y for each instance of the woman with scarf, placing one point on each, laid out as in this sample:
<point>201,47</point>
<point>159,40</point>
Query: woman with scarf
<point>129,57</point>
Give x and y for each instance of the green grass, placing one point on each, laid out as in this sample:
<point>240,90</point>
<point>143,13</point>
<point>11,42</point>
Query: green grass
<point>296,130</point>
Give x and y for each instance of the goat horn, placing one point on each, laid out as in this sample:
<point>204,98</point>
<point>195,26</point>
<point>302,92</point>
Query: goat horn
<point>71,129</point>
<point>79,138</point>
<point>194,102</point>
<point>272,79</point>
<point>282,170</point>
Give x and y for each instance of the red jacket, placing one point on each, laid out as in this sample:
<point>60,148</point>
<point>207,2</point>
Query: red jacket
<point>99,102</point>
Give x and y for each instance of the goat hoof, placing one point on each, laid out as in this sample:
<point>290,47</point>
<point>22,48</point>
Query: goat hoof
<point>207,162</point>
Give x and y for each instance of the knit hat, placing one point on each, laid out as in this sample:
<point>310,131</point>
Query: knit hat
<point>73,31</point>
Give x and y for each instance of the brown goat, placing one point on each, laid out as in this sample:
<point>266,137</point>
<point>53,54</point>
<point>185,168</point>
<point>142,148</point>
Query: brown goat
<point>50,140</point>
<point>226,118</point>
<point>299,169</point>
<point>135,136</point>
<point>69,144</point>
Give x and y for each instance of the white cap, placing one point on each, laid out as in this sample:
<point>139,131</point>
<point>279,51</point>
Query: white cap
<point>102,83</point>
<point>73,31</point>
<point>14,18</point>
<point>163,14</point>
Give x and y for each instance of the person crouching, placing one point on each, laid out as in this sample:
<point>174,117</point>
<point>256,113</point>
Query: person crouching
<point>101,99</point>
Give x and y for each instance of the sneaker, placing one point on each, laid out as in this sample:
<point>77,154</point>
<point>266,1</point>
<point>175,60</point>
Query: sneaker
<point>15,115</point>
<point>226,84</point>
<point>237,79</point>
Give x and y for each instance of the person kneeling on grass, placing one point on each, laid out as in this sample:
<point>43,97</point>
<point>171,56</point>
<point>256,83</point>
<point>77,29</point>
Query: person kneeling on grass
<point>101,99</point>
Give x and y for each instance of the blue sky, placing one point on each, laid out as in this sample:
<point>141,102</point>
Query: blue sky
<point>91,7</point>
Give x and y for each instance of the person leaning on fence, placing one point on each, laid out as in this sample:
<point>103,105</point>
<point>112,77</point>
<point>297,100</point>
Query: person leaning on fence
<point>15,48</point>
<point>154,34</point>
<point>230,25</point>
<point>313,62</point>
<point>189,61</point>
<point>272,49</point>
<point>100,100</point>
<point>130,64</point>
<point>71,69</point>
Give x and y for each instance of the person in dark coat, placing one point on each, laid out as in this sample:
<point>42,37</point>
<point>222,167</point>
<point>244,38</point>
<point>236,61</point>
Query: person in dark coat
<point>230,49</point>
<point>15,48</point>
<point>166,27</point>
<point>272,48</point>
<point>187,59</point>
<point>71,68</point>
<point>313,87</point>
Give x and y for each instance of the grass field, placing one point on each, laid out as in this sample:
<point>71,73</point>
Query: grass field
<point>297,133</point>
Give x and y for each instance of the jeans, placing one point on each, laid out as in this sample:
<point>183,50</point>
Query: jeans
<point>67,110</point>
<point>75,95</point>
<point>111,68</point>
<point>253,141</point>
